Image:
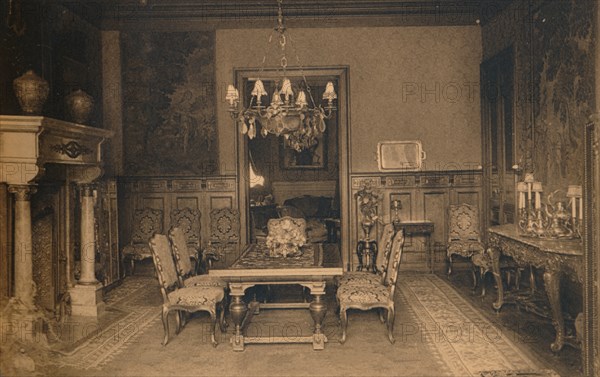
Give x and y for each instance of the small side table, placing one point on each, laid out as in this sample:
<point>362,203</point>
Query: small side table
<point>421,227</point>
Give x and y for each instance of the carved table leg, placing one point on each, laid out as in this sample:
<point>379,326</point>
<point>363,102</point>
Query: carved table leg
<point>495,255</point>
<point>318,309</point>
<point>552,285</point>
<point>238,311</point>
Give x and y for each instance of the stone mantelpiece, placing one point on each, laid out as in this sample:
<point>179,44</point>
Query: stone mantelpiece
<point>27,145</point>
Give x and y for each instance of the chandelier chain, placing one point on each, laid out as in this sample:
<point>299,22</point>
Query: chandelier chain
<point>301,68</point>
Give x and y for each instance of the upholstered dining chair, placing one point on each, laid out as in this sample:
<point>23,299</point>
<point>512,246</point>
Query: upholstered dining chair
<point>188,221</point>
<point>146,222</point>
<point>185,271</point>
<point>382,261</point>
<point>182,299</point>
<point>376,295</point>
<point>464,237</point>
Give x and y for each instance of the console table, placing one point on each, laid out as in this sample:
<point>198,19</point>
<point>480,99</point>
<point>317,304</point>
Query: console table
<point>557,258</point>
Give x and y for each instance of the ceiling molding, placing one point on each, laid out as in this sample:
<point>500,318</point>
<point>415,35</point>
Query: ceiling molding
<point>117,14</point>
<point>211,14</point>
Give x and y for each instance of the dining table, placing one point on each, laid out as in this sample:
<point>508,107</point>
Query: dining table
<point>313,267</point>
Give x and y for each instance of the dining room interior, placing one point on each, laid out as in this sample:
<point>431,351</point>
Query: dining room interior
<point>300,187</point>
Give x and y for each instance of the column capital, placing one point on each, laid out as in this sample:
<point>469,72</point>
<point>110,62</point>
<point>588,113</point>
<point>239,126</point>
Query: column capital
<point>22,192</point>
<point>86,189</point>
<point>83,174</point>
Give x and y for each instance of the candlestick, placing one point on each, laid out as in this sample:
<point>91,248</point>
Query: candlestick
<point>521,200</point>
<point>580,208</point>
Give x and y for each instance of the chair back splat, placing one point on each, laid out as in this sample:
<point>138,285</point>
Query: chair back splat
<point>464,223</point>
<point>163,260</point>
<point>181,252</point>
<point>385,249</point>
<point>394,263</point>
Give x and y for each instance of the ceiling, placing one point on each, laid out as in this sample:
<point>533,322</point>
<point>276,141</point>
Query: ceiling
<point>229,13</point>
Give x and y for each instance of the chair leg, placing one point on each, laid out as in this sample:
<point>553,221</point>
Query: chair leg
<point>178,320</point>
<point>222,321</point>
<point>184,319</point>
<point>449,265</point>
<point>483,273</point>
<point>344,320</point>
<point>213,321</point>
<point>531,279</point>
<point>132,265</point>
<point>390,324</point>
<point>475,281</point>
<point>381,318</point>
<point>165,321</point>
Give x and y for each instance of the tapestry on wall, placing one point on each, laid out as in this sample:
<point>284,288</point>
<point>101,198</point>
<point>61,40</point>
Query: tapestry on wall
<point>563,90</point>
<point>169,120</point>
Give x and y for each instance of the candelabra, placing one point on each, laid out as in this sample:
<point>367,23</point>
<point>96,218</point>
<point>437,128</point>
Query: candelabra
<point>550,220</point>
<point>574,193</point>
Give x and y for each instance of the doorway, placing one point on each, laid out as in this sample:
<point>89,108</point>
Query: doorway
<point>272,174</point>
<point>497,75</point>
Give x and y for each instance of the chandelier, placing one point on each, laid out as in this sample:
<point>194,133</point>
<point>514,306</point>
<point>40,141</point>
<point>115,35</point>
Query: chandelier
<point>292,114</point>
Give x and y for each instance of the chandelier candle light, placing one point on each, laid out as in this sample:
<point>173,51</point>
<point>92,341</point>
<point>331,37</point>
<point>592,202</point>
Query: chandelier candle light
<point>293,115</point>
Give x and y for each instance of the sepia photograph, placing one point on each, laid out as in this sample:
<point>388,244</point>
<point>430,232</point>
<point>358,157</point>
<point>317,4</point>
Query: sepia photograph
<point>405,188</point>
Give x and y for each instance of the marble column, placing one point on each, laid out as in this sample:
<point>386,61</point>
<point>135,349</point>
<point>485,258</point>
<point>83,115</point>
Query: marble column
<point>86,295</point>
<point>23,244</point>
<point>88,237</point>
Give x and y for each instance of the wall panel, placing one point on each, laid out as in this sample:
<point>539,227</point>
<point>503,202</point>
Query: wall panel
<point>424,196</point>
<point>203,194</point>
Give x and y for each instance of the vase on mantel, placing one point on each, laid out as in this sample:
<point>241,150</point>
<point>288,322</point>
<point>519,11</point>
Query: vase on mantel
<point>79,106</point>
<point>31,92</point>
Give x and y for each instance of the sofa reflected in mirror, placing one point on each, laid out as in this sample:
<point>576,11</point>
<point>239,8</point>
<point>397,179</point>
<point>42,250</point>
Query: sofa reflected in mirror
<point>317,211</point>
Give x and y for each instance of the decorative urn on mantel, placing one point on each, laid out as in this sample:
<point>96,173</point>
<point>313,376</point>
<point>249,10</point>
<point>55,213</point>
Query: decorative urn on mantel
<point>79,106</point>
<point>31,92</point>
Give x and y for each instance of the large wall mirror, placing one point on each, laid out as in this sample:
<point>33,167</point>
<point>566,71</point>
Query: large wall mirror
<point>274,175</point>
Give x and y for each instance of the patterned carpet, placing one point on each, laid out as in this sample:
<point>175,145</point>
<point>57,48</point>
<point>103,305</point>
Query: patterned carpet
<point>467,342</point>
<point>438,333</point>
<point>137,304</point>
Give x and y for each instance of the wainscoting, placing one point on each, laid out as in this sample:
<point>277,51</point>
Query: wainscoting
<point>424,196</point>
<point>167,194</point>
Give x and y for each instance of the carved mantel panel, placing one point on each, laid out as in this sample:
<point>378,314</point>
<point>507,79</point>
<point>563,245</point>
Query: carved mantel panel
<point>27,143</point>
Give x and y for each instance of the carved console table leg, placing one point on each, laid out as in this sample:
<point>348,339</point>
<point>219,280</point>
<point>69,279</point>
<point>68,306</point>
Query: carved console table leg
<point>495,254</point>
<point>318,309</point>
<point>238,311</point>
<point>552,285</point>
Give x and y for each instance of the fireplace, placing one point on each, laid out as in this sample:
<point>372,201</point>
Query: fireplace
<point>50,167</point>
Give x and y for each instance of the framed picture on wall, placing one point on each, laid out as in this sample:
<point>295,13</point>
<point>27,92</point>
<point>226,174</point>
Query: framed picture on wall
<point>314,157</point>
